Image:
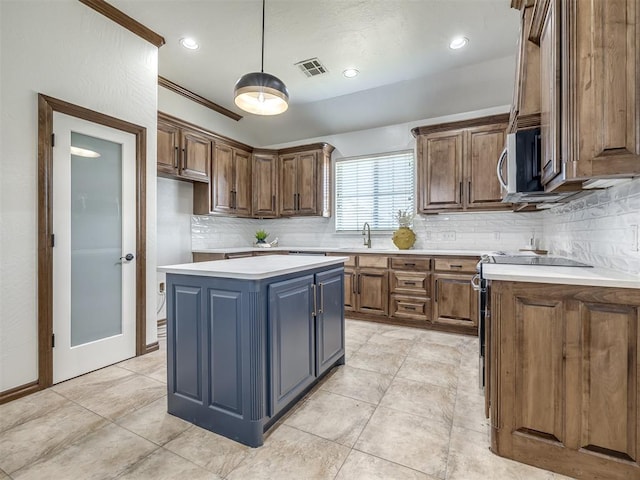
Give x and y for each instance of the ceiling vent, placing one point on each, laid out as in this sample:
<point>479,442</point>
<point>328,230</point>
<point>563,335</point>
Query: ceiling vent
<point>311,67</point>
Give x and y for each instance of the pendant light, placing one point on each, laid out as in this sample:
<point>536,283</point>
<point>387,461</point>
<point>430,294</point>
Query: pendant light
<point>259,92</point>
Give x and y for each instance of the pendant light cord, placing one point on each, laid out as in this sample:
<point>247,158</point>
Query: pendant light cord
<point>262,60</point>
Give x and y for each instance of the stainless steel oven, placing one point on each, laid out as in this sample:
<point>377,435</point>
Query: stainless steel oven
<point>481,285</point>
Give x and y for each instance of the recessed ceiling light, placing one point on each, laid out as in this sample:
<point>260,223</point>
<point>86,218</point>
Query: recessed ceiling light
<point>189,43</point>
<point>458,42</point>
<point>350,73</point>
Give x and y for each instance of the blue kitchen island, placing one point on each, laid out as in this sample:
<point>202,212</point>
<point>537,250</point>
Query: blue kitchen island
<point>248,337</point>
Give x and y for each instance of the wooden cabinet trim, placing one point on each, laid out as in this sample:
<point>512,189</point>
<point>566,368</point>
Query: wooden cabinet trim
<point>460,125</point>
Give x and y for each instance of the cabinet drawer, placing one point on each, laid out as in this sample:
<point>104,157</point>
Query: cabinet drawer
<point>373,261</point>
<point>413,283</point>
<point>410,307</point>
<point>207,257</point>
<point>349,263</point>
<point>408,263</point>
<point>456,264</point>
<point>238,255</point>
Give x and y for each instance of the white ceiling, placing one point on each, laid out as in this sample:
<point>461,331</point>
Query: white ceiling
<point>400,47</point>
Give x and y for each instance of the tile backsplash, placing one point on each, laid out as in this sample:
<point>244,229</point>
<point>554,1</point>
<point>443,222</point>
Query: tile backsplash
<point>477,231</point>
<point>600,229</point>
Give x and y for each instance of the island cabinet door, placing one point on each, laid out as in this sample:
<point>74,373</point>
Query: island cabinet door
<point>292,339</point>
<point>329,318</point>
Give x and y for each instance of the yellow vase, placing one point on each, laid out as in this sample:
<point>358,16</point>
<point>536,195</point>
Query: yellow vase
<point>404,238</point>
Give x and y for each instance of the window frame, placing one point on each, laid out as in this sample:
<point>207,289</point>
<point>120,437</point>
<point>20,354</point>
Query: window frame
<point>374,156</point>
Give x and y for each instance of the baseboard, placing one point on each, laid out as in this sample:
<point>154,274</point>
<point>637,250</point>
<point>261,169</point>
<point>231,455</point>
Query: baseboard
<point>19,391</point>
<point>152,347</point>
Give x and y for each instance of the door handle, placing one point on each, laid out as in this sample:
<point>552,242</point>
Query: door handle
<point>175,157</point>
<point>184,157</point>
<point>128,257</point>
<point>321,298</point>
<point>435,294</point>
<point>353,283</point>
<point>314,313</point>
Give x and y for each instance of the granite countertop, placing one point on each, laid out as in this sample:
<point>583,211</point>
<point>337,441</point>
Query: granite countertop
<point>598,277</point>
<point>347,250</point>
<point>253,268</point>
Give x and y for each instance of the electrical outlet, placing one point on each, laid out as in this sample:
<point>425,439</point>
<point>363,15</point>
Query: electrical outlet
<point>635,241</point>
<point>161,287</point>
<point>448,236</point>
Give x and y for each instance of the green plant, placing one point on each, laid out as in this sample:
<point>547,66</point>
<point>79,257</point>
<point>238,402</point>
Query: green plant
<point>261,235</point>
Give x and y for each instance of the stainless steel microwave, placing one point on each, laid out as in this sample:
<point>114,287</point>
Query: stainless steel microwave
<point>521,160</point>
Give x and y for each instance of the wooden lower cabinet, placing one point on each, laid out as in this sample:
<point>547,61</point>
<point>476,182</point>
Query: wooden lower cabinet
<point>565,378</point>
<point>455,303</point>
<point>372,287</point>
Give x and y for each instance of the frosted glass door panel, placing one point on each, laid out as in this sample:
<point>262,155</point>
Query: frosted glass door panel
<point>96,240</point>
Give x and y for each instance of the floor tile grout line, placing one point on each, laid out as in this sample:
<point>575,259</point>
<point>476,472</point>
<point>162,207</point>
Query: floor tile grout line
<point>455,403</point>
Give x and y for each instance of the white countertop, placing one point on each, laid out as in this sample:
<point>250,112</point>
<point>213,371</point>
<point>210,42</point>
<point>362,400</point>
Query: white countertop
<point>254,268</point>
<point>599,277</point>
<point>347,250</point>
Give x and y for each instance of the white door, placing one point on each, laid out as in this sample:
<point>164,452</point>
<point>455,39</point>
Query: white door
<point>94,219</point>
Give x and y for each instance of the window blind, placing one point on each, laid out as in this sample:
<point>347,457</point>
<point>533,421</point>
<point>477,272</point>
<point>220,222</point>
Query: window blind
<point>372,189</point>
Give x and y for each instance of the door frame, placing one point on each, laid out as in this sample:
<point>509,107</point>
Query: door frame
<point>46,106</point>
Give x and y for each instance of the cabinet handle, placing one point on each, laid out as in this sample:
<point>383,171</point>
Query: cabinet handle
<point>409,307</point>
<point>359,278</point>
<point>455,266</point>
<point>273,203</point>
<point>469,192</point>
<point>409,264</point>
<point>353,283</point>
<point>184,158</point>
<point>460,192</point>
<point>321,298</point>
<point>314,299</point>
<point>297,201</point>
<point>409,283</point>
<point>294,201</point>
<point>175,157</point>
<point>435,294</point>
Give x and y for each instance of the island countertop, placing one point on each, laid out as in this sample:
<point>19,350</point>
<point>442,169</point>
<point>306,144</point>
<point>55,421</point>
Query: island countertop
<point>253,268</point>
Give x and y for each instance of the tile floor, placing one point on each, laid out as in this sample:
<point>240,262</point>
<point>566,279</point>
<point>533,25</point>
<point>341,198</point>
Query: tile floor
<point>405,406</point>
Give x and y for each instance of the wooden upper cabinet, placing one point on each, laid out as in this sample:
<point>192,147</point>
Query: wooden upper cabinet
<point>457,165</point>
<point>242,182</point>
<point>484,145</point>
<point>168,148</point>
<point>196,156</point>
<point>525,108</point>
<point>288,184</point>
<point>441,170</point>
<point>182,152</point>
<point>307,183</point>
<point>231,181</point>
<point>550,94</point>
<point>222,179</point>
<point>265,184</point>
<point>589,89</point>
<point>304,185</point>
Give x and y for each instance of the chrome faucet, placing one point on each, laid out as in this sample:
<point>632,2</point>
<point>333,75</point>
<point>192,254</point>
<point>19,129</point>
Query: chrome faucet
<point>366,230</point>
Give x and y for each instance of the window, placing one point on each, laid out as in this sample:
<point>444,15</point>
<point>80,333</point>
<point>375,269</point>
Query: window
<point>372,189</point>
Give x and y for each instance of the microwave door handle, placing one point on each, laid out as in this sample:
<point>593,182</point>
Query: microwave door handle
<point>503,156</point>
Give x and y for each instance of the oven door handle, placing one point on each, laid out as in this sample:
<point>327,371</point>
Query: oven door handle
<point>475,282</point>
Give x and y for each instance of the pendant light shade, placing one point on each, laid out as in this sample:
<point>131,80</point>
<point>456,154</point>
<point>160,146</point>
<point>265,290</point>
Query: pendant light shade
<point>261,93</point>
